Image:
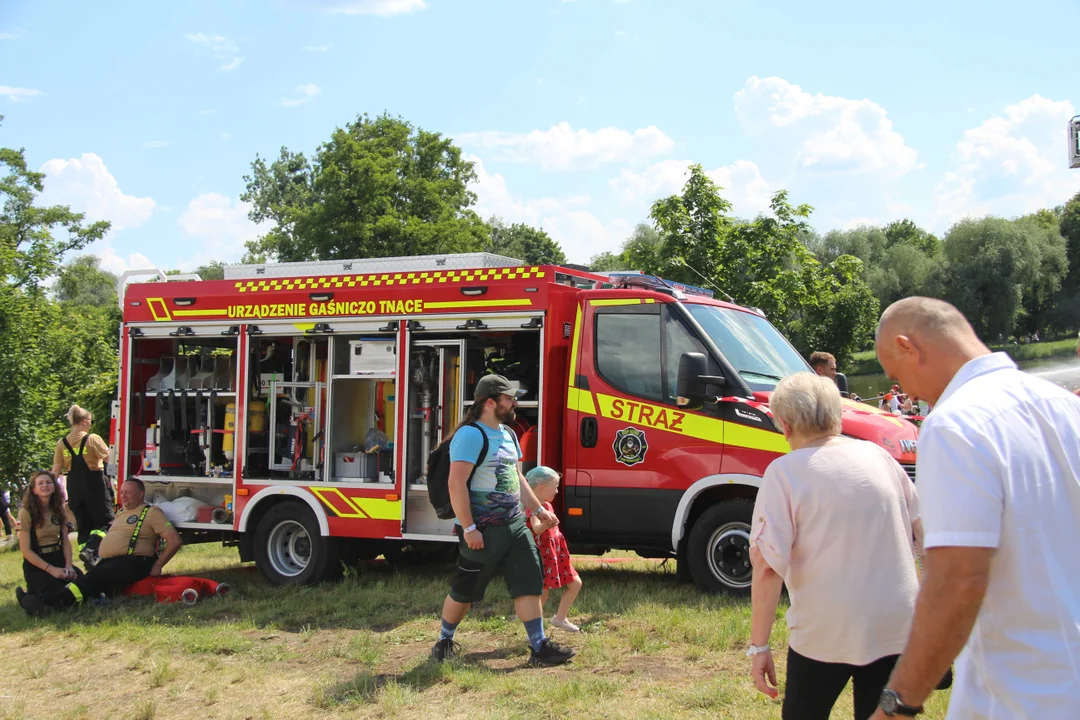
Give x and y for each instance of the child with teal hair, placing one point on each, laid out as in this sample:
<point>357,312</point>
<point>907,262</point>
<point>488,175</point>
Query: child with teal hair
<point>554,553</point>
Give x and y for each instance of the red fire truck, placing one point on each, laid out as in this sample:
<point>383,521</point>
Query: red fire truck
<point>289,409</point>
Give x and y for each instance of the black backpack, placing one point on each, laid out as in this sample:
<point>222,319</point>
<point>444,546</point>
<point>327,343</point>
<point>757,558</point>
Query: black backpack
<point>438,474</point>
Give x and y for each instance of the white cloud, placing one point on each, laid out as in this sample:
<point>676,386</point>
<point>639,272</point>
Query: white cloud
<point>217,44</point>
<point>153,144</point>
<point>826,133</point>
<point>580,233</point>
<point>742,183</point>
<point>318,48</point>
<point>361,7</point>
<point>16,94</point>
<point>222,224</point>
<point>220,47</point>
<point>231,65</point>
<point>306,93</point>
<point>1011,164</point>
<point>87,186</point>
<point>117,264</point>
<point>563,148</point>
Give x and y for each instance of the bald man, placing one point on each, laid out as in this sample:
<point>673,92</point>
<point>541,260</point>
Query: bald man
<point>999,493</point>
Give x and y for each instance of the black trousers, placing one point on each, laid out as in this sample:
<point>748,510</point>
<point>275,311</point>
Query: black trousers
<point>109,576</point>
<point>41,583</point>
<point>4,516</point>
<point>813,686</point>
<point>90,498</point>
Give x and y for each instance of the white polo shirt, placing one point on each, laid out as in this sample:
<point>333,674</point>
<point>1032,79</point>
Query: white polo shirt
<point>999,467</point>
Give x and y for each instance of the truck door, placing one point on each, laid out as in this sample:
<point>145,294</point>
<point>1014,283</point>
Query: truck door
<point>636,450</point>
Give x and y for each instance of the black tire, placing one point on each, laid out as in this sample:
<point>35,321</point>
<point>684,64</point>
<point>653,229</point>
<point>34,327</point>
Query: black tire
<point>289,549</point>
<point>718,549</point>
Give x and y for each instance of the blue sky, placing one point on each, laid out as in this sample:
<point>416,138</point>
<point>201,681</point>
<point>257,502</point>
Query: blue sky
<point>577,113</point>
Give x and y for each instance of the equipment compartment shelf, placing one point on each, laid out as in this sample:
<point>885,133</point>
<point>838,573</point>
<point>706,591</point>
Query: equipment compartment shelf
<point>184,479</point>
<point>227,527</point>
<point>191,393</point>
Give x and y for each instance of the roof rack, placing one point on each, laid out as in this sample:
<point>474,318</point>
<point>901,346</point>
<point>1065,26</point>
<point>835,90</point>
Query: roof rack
<point>370,266</point>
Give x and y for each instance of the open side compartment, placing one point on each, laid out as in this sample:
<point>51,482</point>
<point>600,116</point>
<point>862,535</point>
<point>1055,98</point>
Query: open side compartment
<point>443,369</point>
<point>181,403</point>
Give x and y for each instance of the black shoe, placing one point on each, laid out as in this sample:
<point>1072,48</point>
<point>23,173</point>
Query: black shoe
<point>445,649</point>
<point>550,653</point>
<point>33,606</point>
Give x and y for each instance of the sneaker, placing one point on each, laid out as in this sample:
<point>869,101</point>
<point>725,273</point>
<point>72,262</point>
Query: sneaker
<point>89,557</point>
<point>100,601</point>
<point>564,624</point>
<point>550,653</point>
<point>445,649</point>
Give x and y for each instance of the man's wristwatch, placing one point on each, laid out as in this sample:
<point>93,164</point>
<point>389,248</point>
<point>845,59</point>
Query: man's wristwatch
<point>892,705</point>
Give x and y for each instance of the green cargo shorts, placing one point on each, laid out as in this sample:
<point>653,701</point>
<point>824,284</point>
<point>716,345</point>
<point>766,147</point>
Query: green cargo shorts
<point>508,550</point>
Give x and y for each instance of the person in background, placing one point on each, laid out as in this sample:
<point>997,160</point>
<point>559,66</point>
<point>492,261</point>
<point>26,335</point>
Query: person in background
<point>999,483</point>
<point>129,553</point>
<point>5,514</point>
<point>89,493</point>
<point>554,552</point>
<point>833,521</point>
<point>824,364</point>
<point>43,538</point>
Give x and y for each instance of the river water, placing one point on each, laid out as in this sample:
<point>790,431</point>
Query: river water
<point>1061,371</point>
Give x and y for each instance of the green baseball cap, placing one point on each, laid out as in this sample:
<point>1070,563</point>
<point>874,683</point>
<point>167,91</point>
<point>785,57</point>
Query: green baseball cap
<point>492,386</point>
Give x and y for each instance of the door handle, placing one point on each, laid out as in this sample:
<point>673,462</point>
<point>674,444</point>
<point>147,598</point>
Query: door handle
<point>589,432</point>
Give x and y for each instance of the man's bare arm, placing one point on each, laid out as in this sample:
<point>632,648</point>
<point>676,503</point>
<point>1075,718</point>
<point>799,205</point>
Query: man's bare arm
<point>952,592</point>
<point>172,546</point>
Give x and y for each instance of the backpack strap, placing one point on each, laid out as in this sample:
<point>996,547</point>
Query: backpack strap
<point>138,528</point>
<point>483,453</point>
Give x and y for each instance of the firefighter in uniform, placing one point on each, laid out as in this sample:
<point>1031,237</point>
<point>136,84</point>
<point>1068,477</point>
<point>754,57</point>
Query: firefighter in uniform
<point>128,554</point>
<point>44,523</point>
<point>89,492</point>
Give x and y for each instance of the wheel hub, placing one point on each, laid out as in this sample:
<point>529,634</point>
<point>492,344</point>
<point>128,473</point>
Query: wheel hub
<point>729,555</point>
<point>289,548</point>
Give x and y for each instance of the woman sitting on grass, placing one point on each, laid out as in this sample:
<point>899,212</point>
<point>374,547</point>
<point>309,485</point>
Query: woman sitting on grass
<point>834,520</point>
<point>43,537</point>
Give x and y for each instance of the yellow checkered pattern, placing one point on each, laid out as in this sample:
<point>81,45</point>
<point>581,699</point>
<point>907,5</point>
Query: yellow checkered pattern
<point>390,279</point>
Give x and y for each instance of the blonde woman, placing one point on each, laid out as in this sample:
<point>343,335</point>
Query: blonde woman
<point>834,520</point>
<point>81,456</point>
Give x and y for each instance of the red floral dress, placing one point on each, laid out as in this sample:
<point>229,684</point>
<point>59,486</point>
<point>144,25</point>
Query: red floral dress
<point>554,554</point>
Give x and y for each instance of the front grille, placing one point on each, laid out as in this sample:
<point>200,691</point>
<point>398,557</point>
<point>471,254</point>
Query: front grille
<point>910,470</point>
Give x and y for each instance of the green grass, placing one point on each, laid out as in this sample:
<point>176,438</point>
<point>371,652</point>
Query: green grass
<point>866,363</point>
<point>652,648</point>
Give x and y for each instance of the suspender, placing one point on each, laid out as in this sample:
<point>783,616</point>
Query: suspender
<point>82,445</point>
<point>137,530</point>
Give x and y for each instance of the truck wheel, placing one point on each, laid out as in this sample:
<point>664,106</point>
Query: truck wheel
<point>289,549</point>
<point>719,548</point>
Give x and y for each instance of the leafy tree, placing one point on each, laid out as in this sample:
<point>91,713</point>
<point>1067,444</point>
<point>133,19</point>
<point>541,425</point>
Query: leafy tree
<point>378,188</point>
<point>764,263</point>
<point>38,340</point>
<point>529,244</point>
<point>214,270</point>
<point>906,232</point>
<point>997,264</point>
<point>82,282</point>
<point>607,262</point>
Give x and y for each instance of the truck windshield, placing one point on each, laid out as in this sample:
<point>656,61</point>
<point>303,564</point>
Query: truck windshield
<point>750,343</point>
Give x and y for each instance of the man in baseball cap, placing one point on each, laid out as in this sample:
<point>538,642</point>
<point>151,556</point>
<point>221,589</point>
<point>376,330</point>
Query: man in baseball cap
<point>487,491</point>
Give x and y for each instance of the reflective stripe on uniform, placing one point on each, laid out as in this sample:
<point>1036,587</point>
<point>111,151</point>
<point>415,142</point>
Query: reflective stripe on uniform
<point>99,533</point>
<point>74,590</point>
<point>138,528</point>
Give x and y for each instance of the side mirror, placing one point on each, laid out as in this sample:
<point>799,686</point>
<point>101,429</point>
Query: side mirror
<point>841,383</point>
<point>694,379</point>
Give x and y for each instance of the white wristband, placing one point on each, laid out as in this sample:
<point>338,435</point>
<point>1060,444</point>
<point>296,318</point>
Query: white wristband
<point>757,650</point>
<point>470,528</point>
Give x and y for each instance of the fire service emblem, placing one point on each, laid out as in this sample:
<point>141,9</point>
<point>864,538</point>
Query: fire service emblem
<point>630,446</point>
